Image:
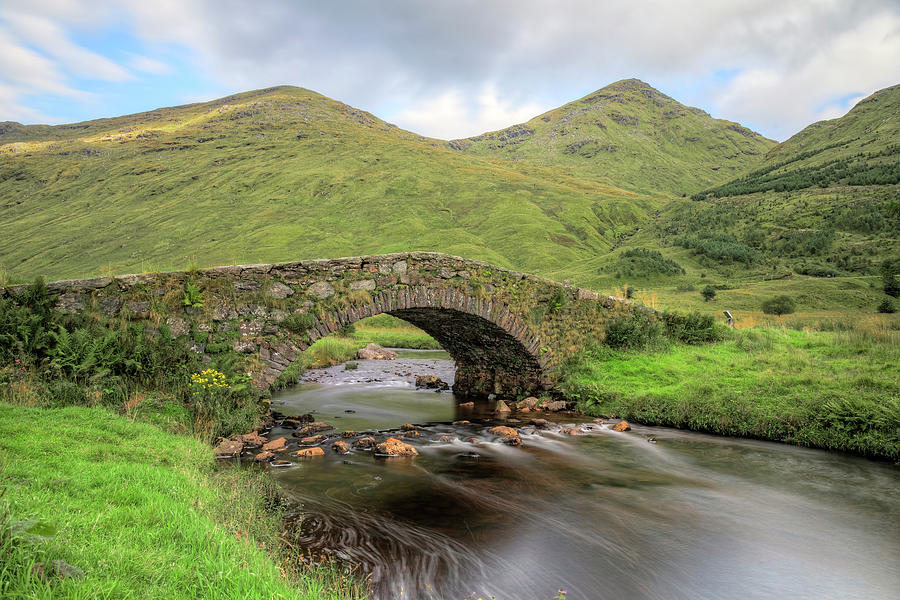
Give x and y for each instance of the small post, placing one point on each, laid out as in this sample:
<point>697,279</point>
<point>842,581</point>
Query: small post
<point>730,318</point>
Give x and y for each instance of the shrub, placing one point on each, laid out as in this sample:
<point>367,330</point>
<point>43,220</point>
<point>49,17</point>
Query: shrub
<point>192,295</point>
<point>298,322</point>
<point>886,307</point>
<point>779,305</point>
<point>640,262</point>
<point>636,332</point>
<point>693,328</point>
<point>351,366</point>
<point>708,293</point>
<point>347,330</point>
<point>65,393</point>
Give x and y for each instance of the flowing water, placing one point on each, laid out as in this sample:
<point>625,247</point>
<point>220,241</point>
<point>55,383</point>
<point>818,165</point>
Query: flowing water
<point>599,515</point>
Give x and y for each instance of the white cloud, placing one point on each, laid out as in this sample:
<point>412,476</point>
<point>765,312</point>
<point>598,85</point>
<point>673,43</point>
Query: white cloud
<point>149,65</point>
<point>462,67</point>
<point>784,97</point>
<point>454,115</point>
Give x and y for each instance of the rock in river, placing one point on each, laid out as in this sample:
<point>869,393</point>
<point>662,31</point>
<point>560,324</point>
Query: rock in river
<point>431,382</point>
<point>309,452</point>
<point>278,445</point>
<point>394,447</point>
<point>229,448</point>
<point>507,435</point>
<point>374,351</point>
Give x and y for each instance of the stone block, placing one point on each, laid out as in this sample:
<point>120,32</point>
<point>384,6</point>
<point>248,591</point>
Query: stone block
<point>363,284</point>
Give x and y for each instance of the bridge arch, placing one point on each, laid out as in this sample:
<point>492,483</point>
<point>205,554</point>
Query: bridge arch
<point>494,351</point>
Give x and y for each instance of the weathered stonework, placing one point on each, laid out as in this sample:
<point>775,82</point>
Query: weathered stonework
<point>507,331</point>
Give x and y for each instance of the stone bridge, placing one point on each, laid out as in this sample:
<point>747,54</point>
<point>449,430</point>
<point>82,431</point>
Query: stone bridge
<point>507,331</point>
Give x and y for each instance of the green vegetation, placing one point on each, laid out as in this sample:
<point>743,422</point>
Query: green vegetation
<point>135,512</point>
<point>53,359</point>
<point>779,305</point>
<point>641,262</point>
<point>282,174</point>
<point>644,331</point>
<point>836,390</point>
<point>631,135</point>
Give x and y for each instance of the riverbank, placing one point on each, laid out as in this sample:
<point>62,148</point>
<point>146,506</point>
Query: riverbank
<point>134,511</point>
<point>832,390</point>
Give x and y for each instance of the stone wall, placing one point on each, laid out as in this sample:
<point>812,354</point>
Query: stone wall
<point>507,331</point>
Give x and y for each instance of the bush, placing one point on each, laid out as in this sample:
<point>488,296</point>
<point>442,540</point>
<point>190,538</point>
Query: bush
<point>298,322</point>
<point>65,393</point>
<point>693,328</point>
<point>779,305</point>
<point>637,332</point>
<point>886,307</point>
<point>708,293</point>
<point>641,262</point>
<point>347,330</point>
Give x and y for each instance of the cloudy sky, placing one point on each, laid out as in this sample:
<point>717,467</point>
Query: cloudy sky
<point>448,68</point>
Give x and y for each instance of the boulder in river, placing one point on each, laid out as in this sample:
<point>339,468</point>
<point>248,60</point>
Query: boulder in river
<point>375,352</point>
<point>309,452</point>
<point>541,423</point>
<point>312,428</point>
<point>571,431</point>
<point>408,427</point>
<point>554,406</point>
<point>502,407</point>
<point>229,448</point>
<point>528,403</point>
<point>431,382</point>
<point>366,443</point>
<point>394,447</point>
<point>277,445</point>
<point>253,439</point>
<point>349,434</point>
<point>313,440</point>
<point>264,456</point>
<point>622,426</point>
<point>341,447</point>
<point>507,435</point>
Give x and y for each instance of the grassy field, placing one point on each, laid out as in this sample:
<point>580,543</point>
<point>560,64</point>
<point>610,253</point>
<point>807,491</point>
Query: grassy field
<point>838,390</point>
<point>141,513</point>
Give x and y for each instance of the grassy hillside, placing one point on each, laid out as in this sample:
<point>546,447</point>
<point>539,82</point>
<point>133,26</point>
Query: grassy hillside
<point>280,174</point>
<point>817,221</point>
<point>862,148</point>
<point>630,134</point>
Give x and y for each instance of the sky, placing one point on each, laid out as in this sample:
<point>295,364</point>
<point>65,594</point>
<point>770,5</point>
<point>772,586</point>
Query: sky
<point>448,68</point>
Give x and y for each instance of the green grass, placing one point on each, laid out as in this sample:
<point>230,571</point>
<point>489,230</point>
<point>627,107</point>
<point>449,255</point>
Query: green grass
<point>141,512</point>
<point>276,175</point>
<point>835,390</point>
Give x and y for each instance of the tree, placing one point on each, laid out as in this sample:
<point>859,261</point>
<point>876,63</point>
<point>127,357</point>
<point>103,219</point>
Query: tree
<point>708,293</point>
<point>887,307</point>
<point>889,278</point>
<point>779,305</point>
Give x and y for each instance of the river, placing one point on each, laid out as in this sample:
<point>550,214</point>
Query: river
<point>600,515</point>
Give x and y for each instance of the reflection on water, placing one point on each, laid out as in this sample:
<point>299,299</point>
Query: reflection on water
<point>603,515</point>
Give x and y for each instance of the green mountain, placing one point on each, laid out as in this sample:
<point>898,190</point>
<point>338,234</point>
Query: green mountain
<point>862,148</point>
<point>631,135</point>
<point>281,174</point>
<point>820,215</point>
